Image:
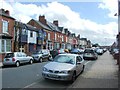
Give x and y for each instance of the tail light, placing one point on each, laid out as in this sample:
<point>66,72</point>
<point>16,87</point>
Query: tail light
<point>58,51</point>
<point>13,59</point>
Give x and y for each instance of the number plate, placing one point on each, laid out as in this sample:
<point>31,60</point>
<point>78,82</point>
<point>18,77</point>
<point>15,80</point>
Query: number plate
<point>53,76</point>
<point>7,59</point>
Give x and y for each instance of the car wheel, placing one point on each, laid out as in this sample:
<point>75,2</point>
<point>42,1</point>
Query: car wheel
<point>31,61</point>
<point>83,69</point>
<point>17,64</point>
<point>73,77</point>
<point>40,60</point>
<point>50,58</point>
<point>3,66</point>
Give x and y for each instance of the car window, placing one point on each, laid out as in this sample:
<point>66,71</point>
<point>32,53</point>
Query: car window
<point>65,59</point>
<point>78,59</point>
<point>19,55</point>
<point>89,51</point>
<point>9,55</point>
<point>43,51</point>
<point>23,55</point>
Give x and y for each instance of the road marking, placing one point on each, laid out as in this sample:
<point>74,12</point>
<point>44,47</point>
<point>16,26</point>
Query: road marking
<point>29,85</point>
<point>87,62</point>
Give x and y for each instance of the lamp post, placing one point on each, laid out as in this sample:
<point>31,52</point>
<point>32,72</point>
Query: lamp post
<point>118,37</point>
<point>119,32</point>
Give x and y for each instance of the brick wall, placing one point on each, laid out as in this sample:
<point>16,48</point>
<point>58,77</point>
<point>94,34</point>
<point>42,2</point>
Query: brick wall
<point>10,30</point>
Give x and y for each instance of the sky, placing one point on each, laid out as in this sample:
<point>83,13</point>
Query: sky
<point>92,19</point>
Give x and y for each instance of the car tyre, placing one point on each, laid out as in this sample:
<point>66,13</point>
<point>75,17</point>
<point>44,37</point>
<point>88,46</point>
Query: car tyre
<point>50,58</point>
<point>40,60</point>
<point>31,61</point>
<point>83,68</point>
<point>73,77</point>
<point>3,66</point>
<point>96,58</point>
<point>17,64</point>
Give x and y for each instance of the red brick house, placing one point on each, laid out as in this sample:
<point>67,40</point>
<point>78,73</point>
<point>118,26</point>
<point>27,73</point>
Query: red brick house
<point>59,36</point>
<point>6,33</point>
<point>42,24</point>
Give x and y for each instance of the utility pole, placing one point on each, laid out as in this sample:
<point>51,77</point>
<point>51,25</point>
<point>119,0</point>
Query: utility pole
<point>119,36</point>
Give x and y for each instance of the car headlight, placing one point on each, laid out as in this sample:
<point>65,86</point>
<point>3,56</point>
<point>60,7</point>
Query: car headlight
<point>45,69</point>
<point>65,72</point>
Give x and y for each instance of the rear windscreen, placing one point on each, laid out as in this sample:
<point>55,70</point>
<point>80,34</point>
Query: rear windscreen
<point>9,55</point>
<point>88,51</point>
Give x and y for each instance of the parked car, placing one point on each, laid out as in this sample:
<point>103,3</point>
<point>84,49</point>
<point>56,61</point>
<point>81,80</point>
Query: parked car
<point>64,67</point>
<point>99,51</point>
<point>77,51</point>
<point>104,49</point>
<point>90,54</point>
<point>16,58</point>
<point>55,52</point>
<point>41,55</point>
<point>116,54</point>
<point>113,50</point>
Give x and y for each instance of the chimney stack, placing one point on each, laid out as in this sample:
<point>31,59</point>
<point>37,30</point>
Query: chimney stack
<point>7,12</point>
<point>4,12</point>
<point>55,22</point>
<point>42,19</point>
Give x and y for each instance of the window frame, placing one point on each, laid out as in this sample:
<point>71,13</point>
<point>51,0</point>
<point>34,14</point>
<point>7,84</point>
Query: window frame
<point>4,44</point>
<point>31,33</point>
<point>5,25</point>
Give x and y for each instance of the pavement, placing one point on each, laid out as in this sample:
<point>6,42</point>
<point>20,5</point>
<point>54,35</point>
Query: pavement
<point>103,74</point>
<point>1,64</point>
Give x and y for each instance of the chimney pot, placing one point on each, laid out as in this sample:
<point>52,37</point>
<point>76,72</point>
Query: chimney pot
<point>7,12</point>
<point>42,19</point>
<point>55,22</point>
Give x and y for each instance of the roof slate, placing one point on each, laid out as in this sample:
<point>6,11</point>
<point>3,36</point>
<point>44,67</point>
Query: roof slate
<point>44,26</point>
<point>53,27</point>
<point>5,15</point>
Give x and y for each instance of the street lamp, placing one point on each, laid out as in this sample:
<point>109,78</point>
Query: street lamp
<point>118,37</point>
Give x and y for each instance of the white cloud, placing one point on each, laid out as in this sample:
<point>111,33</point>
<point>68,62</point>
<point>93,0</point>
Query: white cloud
<point>111,5</point>
<point>67,18</point>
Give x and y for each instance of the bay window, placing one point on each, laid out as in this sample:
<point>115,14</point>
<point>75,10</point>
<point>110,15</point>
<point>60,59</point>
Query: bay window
<point>5,45</point>
<point>8,45</point>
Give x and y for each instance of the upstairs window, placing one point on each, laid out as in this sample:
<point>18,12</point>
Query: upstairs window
<point>48,36</point>
<point>40,35</point>
<point>24,32</point>
<point>5,26</point>
<point>31,34</point>
<point>62,39</point>
<point>55,36</point>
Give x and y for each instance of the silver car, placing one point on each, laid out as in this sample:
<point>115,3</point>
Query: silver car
<point>17,58</point>
<point>64,67</point>
<point>99,51</point>
<point>90,54</point>
<point>41,55</point>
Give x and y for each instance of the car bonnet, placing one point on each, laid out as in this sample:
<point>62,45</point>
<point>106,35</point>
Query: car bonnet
<point>59,66</point>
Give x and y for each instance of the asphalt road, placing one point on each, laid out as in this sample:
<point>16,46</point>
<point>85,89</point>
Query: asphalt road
<point>29,76</point>
<point>19,77</point>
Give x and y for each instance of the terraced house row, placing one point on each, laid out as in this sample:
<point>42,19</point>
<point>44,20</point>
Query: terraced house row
<point>35,35</point>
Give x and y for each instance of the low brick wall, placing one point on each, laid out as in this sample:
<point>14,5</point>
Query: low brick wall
<point>2,57</point>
